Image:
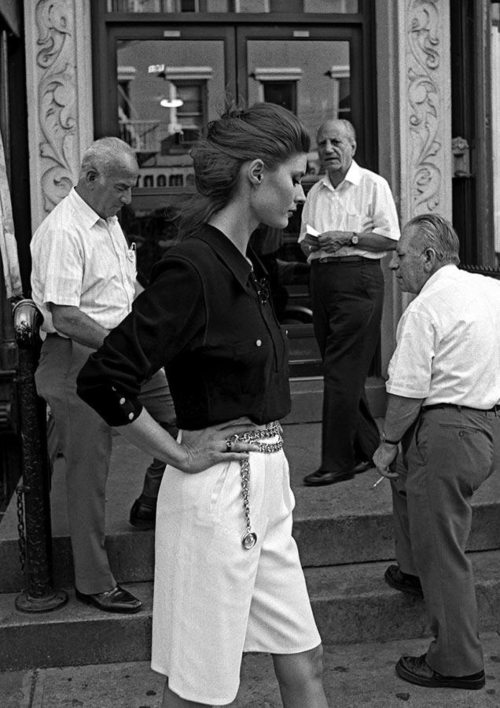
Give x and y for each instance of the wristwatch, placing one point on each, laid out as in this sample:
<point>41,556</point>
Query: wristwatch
<point>389,442</point>
<point>354,239</point>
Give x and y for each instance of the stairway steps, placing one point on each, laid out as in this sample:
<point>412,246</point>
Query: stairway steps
<point>333,525</point>
<point>351,604</point>
<point>345,538</point>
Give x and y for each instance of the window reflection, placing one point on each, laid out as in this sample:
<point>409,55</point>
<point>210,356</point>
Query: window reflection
<point>168,90</point>
<point>236,6</point>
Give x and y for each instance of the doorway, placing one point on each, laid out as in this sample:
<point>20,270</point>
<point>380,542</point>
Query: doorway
<point>162,82</point>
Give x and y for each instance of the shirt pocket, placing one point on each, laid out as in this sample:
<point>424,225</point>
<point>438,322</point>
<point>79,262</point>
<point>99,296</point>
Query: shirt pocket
<point>131,263</point>
<point>356,220</point>
<point>240,368</point>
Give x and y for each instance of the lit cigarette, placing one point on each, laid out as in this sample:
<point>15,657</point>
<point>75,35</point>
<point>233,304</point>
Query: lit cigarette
<point>380,479</point>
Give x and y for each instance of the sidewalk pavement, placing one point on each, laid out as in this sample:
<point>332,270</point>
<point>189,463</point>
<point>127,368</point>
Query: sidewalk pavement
<point>355,675</point>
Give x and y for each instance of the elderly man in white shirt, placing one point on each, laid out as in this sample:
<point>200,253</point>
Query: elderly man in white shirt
<point>444,404</point>
<point>349,223</point>
<point>84,281</point>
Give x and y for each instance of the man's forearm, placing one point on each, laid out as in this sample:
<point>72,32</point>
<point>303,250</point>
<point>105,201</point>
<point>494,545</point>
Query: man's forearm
<point>366,241</point>
<point>73,323</point>
<point>400,415</point>
<point>371,241</point>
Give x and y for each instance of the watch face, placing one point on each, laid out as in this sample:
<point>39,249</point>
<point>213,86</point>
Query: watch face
<point>354,240</point>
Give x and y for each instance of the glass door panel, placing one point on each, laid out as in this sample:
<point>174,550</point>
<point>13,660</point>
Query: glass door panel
<point>312,78</point>
<point>168,90</point>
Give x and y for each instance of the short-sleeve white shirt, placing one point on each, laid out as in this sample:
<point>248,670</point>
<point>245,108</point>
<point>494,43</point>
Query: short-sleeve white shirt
<point>361,202</point>
<point>82,260</point>
<point>448,342</point>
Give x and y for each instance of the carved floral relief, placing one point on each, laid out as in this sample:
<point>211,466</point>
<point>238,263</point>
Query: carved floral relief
<point>426,110</point>
<point>56,85</point>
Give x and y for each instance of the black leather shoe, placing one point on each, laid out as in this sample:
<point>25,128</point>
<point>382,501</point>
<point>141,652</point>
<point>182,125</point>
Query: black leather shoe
<point>415,669</point>
<point>404,582</point>
<point>362,466</point>
<point>115,600</point>
<point>143,513</point>
<point>322,477</point>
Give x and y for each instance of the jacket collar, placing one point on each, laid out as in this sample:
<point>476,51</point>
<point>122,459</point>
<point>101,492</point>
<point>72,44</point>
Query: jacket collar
<point>230,255</point>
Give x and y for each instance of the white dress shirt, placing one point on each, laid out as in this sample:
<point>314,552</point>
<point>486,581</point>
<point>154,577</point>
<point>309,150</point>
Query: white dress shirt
<point>362,202</point>
<point>82,260</point>
<point>448,342</point>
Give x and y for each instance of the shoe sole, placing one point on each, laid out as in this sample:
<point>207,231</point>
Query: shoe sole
<point>342,478</point>
<point>364,467</point>
<point>122,611</point>
<point>444,682</point>
<point>142,525</point>
<point>408,590</point>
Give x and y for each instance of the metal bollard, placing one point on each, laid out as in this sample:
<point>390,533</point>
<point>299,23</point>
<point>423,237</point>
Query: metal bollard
<point>36,546</point>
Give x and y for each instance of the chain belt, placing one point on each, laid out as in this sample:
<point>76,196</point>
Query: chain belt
<point>254,436</point>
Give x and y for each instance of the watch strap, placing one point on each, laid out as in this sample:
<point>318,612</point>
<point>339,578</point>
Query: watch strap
<point>390,442</point>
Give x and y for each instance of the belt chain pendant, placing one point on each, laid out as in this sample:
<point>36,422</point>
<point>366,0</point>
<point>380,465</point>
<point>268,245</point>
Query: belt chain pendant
<point>250,538</point>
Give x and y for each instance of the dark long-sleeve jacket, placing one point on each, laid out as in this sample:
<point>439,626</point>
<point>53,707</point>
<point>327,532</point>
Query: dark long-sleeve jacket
<point>207,318</point>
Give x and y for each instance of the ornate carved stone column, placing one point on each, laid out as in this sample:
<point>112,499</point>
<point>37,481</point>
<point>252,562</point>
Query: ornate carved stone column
<point>59,90</point>
<point>414,93</point>
<point>426,104</point>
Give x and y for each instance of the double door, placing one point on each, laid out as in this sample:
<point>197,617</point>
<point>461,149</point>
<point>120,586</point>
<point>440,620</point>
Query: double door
<point>163,84</point>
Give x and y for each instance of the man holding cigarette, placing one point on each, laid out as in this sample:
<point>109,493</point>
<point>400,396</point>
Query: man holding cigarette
<point>349,222</point>
<point>444,406</point>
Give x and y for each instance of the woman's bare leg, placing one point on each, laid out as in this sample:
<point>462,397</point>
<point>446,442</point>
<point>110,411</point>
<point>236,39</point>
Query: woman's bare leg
<point>172,700</point>
<point>300,677</point>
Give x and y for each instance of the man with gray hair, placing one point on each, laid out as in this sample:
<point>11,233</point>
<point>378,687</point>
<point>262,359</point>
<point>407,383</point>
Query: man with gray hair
<point>444,407</point>
<point>84,281</point>
<point>349,223</point>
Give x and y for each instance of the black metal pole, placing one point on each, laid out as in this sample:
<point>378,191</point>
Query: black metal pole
<point>38,596</point>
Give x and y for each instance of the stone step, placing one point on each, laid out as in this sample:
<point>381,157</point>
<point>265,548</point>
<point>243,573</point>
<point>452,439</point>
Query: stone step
<point>351,604</point>
<point>338,524</point>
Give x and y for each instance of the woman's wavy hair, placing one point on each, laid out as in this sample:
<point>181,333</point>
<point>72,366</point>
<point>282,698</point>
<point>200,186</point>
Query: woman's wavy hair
<point>265,130</point>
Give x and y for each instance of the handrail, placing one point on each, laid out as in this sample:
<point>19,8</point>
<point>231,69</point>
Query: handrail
<point>38,595</point>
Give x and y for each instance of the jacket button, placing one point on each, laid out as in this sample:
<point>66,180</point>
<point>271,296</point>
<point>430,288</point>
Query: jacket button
<point>131,416</point>
<point>122,401</point>
<point>259,342</point>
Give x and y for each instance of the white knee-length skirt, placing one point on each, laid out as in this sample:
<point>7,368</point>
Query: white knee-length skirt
<point>214,600</point>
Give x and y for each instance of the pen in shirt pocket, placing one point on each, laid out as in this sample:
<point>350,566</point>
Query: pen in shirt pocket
<point>132,250</point>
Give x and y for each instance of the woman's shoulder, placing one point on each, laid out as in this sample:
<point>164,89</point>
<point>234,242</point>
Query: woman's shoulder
<point>192,253</point>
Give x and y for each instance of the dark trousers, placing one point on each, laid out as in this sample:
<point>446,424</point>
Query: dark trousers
<point>449,455</point>
<point>347,299</point>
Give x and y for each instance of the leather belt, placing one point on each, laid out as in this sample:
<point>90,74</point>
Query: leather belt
<point>435,406</point>
<point>345,259</point>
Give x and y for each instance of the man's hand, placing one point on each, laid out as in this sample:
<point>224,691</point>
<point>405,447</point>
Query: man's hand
<point>205,448</point>
<point>332,241</point>
<point>384,456</point>
<point>309,244</point>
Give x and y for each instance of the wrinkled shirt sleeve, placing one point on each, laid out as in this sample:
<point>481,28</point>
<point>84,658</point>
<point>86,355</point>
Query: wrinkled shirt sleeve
<point>164,319</point>
<point>410,368</point>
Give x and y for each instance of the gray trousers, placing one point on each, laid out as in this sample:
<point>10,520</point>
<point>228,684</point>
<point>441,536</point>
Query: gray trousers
<point>84,440</point>
<point>451,453</point>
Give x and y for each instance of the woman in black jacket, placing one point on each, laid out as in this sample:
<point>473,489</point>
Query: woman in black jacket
<point>227,574</point>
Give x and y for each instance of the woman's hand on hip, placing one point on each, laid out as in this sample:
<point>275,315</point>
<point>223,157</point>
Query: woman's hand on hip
<point>209,446</point>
